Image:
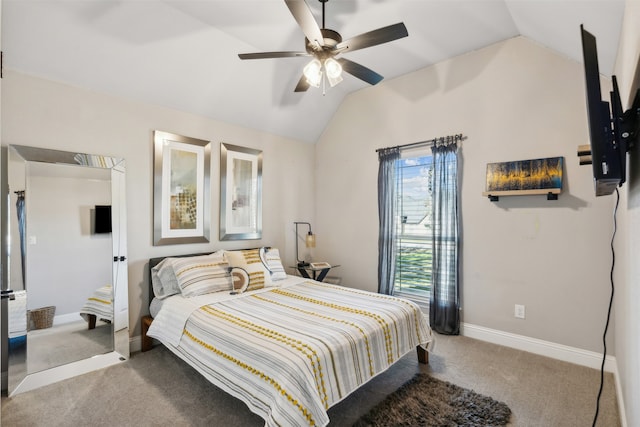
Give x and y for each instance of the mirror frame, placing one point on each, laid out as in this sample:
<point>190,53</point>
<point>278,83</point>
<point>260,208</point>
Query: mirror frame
<point>120,321</point>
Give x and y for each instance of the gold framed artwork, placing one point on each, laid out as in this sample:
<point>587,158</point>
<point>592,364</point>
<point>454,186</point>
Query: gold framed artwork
<point>525,177</point>
<point>536,174</point>
<point>181,189</point>
<point>240,193</point>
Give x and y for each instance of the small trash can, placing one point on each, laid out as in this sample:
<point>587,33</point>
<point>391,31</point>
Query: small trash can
<point>41,318</point>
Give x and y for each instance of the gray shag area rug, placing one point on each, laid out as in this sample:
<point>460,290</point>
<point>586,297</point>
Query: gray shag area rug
<point>427,401</point>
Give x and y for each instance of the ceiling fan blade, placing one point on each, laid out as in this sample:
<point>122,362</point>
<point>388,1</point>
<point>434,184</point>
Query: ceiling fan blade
<point>373,38</point>
<point>360,71</point>
<point>267,55</point>
<point>305,19</point>
<point>302,85</point>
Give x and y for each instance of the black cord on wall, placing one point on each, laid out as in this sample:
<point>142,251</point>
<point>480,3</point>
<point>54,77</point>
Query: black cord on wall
<point>606,327</point>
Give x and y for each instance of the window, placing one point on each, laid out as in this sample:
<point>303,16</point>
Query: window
<point>414,228</point>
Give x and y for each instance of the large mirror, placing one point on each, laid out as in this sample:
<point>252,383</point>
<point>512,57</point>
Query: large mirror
<point>66,300</point>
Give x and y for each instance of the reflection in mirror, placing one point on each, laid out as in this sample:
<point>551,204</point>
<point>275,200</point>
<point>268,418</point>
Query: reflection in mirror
<point>68,310</point>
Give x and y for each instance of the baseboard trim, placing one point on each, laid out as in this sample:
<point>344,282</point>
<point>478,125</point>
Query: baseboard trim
<point>620,399</point>
<point>135,344</point>
<point>61,319</point>
<point>562,352</point>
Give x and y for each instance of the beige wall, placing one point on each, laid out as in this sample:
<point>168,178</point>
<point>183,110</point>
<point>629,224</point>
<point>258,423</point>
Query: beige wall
<point>627,300</point>
<point>514,100</point>
<point>42,113</point>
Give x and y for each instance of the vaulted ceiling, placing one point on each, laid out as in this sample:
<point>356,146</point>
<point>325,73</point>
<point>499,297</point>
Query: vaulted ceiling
<point>183,54</point>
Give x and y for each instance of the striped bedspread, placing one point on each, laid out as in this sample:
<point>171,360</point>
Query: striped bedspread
<point>293,351</point>
<point>99,304</point>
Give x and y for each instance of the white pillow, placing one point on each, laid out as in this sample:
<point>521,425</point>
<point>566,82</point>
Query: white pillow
<point>271,260</point>
<point>249,260</point>
<point>164,280</point>
<point>203,274</point>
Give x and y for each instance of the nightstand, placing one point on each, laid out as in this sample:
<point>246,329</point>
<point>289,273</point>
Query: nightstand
<point>147,342</point>
<point>315,273</point>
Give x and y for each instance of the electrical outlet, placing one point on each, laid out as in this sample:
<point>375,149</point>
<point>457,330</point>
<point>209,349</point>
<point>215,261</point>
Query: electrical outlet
<point>519,311</point>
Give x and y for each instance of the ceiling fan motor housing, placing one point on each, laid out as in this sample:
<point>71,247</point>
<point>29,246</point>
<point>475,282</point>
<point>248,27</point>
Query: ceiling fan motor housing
<point>331,39</point>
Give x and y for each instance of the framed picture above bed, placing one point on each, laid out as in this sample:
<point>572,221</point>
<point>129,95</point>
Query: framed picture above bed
<point>181,189</point>
<point>240,193</point>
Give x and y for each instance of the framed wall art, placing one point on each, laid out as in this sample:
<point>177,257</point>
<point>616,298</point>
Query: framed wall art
<point>240,193</point>
<point>181,189</point>
<point>525,177</point>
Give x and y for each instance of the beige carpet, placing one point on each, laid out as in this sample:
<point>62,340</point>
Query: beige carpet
<point>157,389</point>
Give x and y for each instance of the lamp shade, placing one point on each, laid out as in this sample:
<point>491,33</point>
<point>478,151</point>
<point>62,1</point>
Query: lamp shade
<point>310,240</point>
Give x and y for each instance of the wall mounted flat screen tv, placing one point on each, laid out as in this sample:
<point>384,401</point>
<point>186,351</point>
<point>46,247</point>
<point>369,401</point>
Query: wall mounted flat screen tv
<point>613,132</point>
<point>103,219</point>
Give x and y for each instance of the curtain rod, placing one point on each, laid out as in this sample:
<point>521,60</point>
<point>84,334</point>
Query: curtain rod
<point>448,138</point>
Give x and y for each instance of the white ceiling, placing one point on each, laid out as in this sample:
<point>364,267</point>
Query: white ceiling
<point>182,54</point>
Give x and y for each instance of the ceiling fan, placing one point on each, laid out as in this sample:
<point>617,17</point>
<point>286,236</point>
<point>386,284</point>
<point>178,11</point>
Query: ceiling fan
<point>324,45</point>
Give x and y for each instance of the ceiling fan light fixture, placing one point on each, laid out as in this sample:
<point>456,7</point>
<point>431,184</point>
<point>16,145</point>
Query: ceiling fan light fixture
<point>333,70</point>
<point>313,72</point>
<point>334,80</point>
<point>333,67</point>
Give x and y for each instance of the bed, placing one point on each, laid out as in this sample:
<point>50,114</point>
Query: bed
<point>98,306</point>
<point>287,346</point>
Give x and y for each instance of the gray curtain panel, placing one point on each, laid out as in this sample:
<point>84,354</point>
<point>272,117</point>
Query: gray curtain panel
<point>22,230</point>
<point>444,313</point>
<point>386,215</point>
